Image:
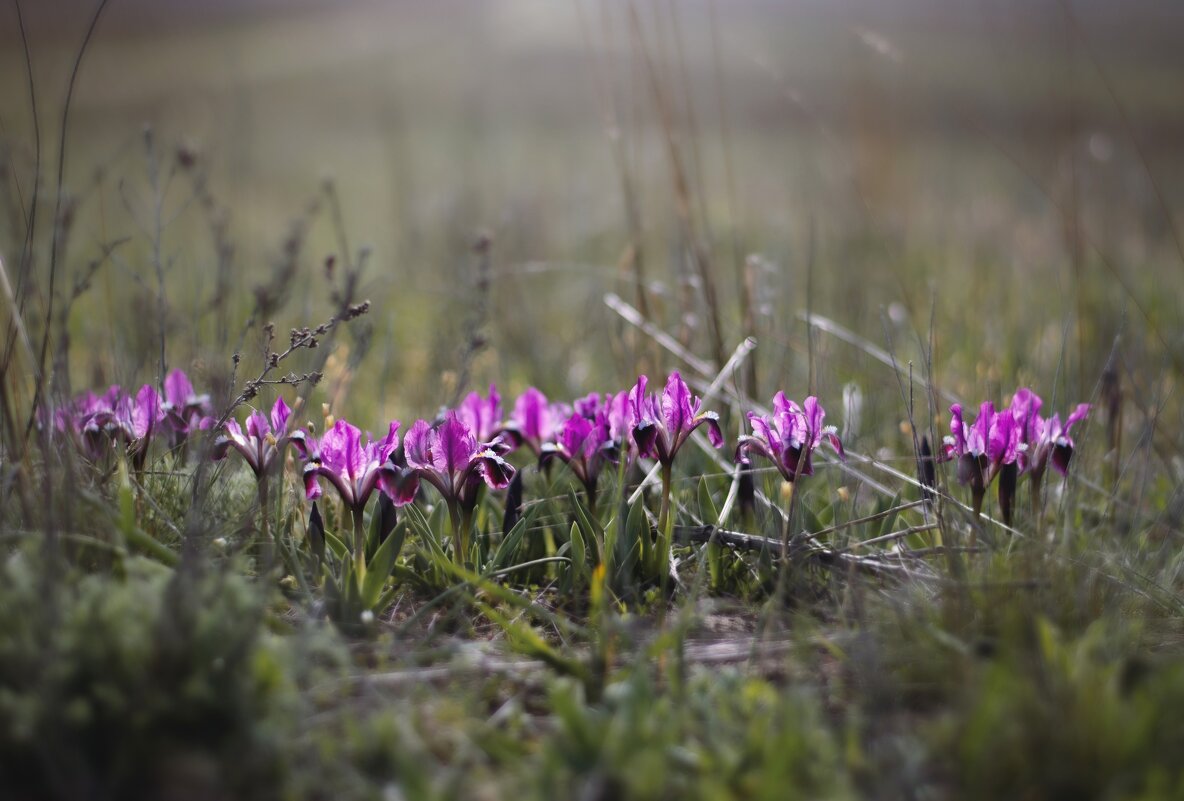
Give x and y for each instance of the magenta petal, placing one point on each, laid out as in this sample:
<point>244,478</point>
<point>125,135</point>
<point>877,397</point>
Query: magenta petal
<point>676,405</point>
<point>637,399</point>
<point>387,445</point>
<point>391,486</point>
<point>789,421</point>
<point>354,458</point>
<point>575,432</point>
<point>177,388</point>
<point>620,416</point>
<point>761,428</point>
<point>529,412</point>
<point>833,438</point>
<point>481,415</point>
<point>1000,443</point>
<point>257,426</point>
<point>588,406</point>
<point>1025,408</point>
<point>496,471</point>
<point>312,487</point>
<point>815,415</point>
<point>978,436</point>
<point>402,487</point>
<point>957,445</point>
<point>783,405</point>
<point>457,444</point>
<point>748,445</point>
<point>146,412</point>
<point>714,435</point>
<point>341,452</point>
<point>645,434</point>
<point>417,446</point>
<point>280,413</point>
<point>1077,416</point>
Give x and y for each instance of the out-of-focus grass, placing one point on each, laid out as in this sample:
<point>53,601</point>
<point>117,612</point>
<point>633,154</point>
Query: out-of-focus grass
<point>925,150</point>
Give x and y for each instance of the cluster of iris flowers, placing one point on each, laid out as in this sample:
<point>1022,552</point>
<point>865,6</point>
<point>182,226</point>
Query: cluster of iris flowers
<point>100,425</point>
<point>464,450</point>
<point>1008,443</point>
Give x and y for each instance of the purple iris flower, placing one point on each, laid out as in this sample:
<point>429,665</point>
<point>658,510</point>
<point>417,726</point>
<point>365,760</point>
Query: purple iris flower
<point>354,468</point>
<point>184,410</point>
<point>617,409</point>
<point>449,457</point>
<point>589,405</point>
<point>263,441</point>
<point>90,420</point>
<point>483,416</point>
<point>535,420</point>
<point>96,423</point>
<point>1046,440</point>
<point>662,424</point>
<point>136,421</point>
<point>990,447</point>
<point>586,445</point>
<point>790,436</point>
<point>984,447</point>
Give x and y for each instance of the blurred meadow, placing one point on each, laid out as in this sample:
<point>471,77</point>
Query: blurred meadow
<point>1005,172</point>
<point>904,203</point>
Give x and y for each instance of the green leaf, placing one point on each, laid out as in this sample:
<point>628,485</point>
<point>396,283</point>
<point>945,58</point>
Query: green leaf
<point>379,568</point>
<point>810,520</point>
<point>508,547</point>
<point>337,546</point>
<point>707,508</point>
<point>578,552</point>
<point>590,528</point>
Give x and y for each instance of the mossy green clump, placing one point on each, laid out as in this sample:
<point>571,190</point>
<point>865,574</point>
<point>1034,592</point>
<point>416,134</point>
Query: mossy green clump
<point>144,684</point>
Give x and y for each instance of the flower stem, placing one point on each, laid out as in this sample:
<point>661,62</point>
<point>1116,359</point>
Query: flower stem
<point>458,546</point>
<point>359,543</point>
<point>789,497</point>
<point>590,490</point>
<point>979,494</point>
<point>462,541</point>
<point>265,520</point>
<point>662,541</point>
<point>1037,485</point>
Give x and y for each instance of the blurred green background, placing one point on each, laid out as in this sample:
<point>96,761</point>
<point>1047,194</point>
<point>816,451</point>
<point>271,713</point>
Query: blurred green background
<point>1010,168</point>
